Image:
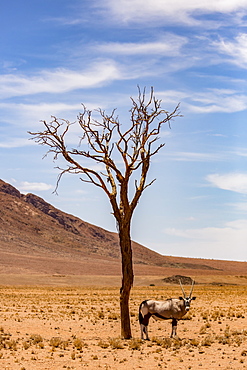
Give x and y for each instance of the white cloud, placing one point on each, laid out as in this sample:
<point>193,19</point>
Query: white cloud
<point>217,100</point>
<point>58,81</point>
<point>227,242</point>
<point>26,187</point>
<point>242,207</point>
<point>196,156</point>
<point>178,11</point>
<point>12,142</point>
<point>206,101</point>
<point>236,182</point>
<point>242,152</point>
<point>27,117</point>
<point>236,49</point>
<point>191,218</point>
<point>168,44</point>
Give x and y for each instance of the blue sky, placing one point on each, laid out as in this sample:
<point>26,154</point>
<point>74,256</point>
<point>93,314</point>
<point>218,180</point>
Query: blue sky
<point>56,55</point>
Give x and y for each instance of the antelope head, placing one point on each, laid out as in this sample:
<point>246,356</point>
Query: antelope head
<point>187,299</point>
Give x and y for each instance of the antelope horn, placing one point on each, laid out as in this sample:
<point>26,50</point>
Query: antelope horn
<point>193,282</point>
<point>182,288</point>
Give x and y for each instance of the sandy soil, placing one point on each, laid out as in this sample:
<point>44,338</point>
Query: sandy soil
<point>63,280</point>
<point>78,327</point>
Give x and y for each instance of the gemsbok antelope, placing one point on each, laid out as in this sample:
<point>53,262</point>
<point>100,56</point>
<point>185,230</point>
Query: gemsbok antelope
<point>173,308</point>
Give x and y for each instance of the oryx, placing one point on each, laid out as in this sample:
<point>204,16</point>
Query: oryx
<point>172,308</point>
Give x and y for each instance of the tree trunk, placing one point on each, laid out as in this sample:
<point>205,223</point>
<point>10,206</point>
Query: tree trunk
<point>127,279</point>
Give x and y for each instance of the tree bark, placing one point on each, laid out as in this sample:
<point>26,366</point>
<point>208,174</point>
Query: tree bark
<point>127,279</point>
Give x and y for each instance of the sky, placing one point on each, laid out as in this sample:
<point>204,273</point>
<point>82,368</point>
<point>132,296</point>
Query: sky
<point>57,54</point>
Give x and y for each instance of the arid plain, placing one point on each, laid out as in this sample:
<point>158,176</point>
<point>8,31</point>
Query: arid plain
<point>78,327</point>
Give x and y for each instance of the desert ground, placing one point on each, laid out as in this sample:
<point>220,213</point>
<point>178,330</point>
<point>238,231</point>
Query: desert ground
<point>75,327</point>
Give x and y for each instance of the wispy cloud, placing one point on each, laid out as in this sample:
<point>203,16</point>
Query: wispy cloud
<point>59,80</point>
<point>169,45</point>
<point>241,152</point>
<point>217,100</point>
<point>196,156</point>
<point>242,207</point>
<point>29,115</point>
<point>26,186</point>
<point>211,241</point>
<point>236,182</point>
<point>172,11</point>
<point>236,49</point>
<point>206,100</point>
<point>12,142</point>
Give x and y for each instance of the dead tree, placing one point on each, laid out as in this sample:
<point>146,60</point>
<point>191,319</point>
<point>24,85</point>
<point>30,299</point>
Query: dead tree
<point>121,153</point>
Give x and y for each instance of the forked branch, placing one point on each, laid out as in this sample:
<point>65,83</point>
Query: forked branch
<point>103,140</point>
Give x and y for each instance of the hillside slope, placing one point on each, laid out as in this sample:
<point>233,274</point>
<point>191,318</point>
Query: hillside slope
<point>30,225</point>
<point>36,237</point>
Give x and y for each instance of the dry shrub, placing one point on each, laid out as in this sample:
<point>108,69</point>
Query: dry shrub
<point>163,342</point>
<point>113,316</point>
<point>55,342</point>
<point>217,315</point>
<point>227,332</point>
<point>26,344</point>
<point>203,329</point>
<point>195,342</point>
<point>12,344</point>
<point>208,341</point>
<point>238,340</point>
<point>101,315</point>
<point>166,343</point>
<point>223,340</point>
<point>157,340</point>
<point>205,315</point>
<point>116,343</point>
<point>135,344</point>
<point>36,338</point>
<point>78,344</point>
<point>103,344</point>
<point>177,343</point>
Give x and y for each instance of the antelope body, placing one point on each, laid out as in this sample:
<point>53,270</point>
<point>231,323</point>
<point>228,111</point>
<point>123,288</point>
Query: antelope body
<point>173,308</point>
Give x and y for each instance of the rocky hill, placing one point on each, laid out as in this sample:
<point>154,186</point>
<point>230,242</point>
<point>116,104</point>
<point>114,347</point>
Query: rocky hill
<point>29,224</point>
<point>36,237</point>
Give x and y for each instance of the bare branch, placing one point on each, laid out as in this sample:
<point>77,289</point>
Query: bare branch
<point>104,137</point>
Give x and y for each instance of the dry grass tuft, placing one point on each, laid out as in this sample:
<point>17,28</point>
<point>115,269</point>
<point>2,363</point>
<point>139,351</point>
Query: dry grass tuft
<point>116,343</point>
<point>135,344</point>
